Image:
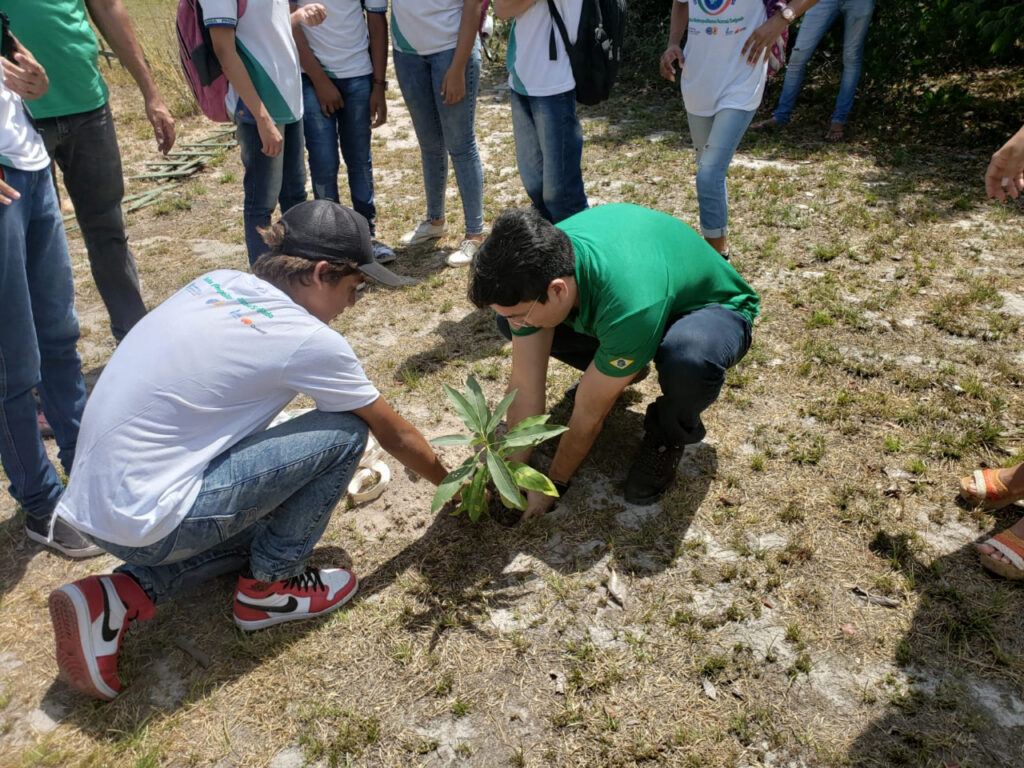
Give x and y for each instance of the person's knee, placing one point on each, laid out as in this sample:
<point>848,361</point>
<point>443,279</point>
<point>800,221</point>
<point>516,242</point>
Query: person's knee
<point>690,366</point>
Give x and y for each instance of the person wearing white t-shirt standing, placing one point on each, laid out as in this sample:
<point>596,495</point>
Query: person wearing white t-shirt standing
<point>723,72</point>
<point>39,331</point>
<point>257,53</point>
<point>437,63</point>
<point>548,135</point>
<point>178,473</point>
<point>344,64</point>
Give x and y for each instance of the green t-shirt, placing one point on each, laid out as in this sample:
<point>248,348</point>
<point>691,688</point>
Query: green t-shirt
<point>636,271</point>
<point>58,34</point>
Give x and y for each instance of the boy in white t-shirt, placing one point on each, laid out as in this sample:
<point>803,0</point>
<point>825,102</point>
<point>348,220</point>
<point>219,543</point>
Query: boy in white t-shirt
<point>344,65</point>
<point>39,330</point>
<point>549,139</point>
<point>178,474</point>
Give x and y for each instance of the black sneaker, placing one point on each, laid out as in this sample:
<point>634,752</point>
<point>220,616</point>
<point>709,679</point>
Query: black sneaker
<point>653,470</point>
<point>59,535</point>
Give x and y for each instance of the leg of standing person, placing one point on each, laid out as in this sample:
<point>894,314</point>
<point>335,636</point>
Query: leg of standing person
<point>262,185</point>
<point>715,138</point>
<point>86,150</point>
<point>38,340</point>
<point>856,19</point>
<point>529,158</point>
<point>458,127</point>
<point>293,166</point>
<point>415,79</point>
<point>354,130</point>
<point>813,26</point>
<point>561,142</point>
<point>322,142</point>
<point>691,361</point>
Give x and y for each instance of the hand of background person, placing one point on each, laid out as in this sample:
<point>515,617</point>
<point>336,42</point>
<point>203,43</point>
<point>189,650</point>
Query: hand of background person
<point>453,87</point>
<point>159,117</point>
<point>537,504</point>
<point>378,107</point>
<point>8,194</point>
<point>329,97</point>
<point>761,40</point>
<point>270,137</point>
<point>1005,174</point>
<point>25,76</point>
<point>673,55</point>
<point>311,15</point>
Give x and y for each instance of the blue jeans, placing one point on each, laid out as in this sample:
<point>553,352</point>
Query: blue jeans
<point>265,502</point>
<point>444,129</point>
<point>269,180</point>
<point>856,17</point>
<point>695,351</point>
<point>38,337</point>
<point>85,148</point>
<point>549,149</point>
<point>715,138</point>
<point>348,129</point>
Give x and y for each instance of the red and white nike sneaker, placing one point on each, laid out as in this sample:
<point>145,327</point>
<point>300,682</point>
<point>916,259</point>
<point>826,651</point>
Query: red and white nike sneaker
<point>90,617</point>
<point>260,604</point>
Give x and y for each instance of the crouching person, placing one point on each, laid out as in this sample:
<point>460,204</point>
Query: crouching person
<point>178,475</point>
<point>608,291</point>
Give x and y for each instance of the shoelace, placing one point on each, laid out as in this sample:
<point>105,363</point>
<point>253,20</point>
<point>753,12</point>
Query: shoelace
<point>308,580</point>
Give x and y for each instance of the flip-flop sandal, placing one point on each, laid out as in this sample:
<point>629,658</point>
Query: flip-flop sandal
<point>369,465</point>
<point>989,491</point>
<point>835,134</point>
<point>1011,546</point>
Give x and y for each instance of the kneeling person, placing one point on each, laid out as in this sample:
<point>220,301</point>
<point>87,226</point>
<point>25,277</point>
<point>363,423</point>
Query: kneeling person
<point>608,291</point>
<point>177,473</point>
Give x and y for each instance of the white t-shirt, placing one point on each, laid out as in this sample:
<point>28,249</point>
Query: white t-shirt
<point>425,26</point>
<point>531,72</point>
<point>208,367</point>
<point>20,146</point>
<point>263,38</point>
<point>341,43</point>
<point>715,76</point>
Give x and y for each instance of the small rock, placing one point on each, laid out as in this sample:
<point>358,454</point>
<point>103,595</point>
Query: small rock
<point>849,629</point>
<point>290,757</point>
<point>616,589</point>
<point>559,680</point>
<point>709,688</point>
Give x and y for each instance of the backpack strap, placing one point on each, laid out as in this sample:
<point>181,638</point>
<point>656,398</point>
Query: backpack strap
<point>557,18</point>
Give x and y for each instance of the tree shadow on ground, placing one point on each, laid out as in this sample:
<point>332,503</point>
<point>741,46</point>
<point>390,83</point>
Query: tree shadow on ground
<point>472,337</point>
<point>964,658</point>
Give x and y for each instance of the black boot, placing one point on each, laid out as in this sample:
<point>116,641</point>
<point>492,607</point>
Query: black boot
<point>654,468</point>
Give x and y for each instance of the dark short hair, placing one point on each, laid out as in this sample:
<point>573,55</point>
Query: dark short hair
<point>281,269</point>
<point>519,259</point>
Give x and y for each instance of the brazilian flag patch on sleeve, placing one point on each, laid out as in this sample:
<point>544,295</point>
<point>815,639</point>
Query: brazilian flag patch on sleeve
<point>622,363</point>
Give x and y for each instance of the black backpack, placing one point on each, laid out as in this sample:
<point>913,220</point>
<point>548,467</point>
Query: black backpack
<point>596,55</point>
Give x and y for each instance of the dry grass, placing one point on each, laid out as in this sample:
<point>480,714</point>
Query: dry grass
<point>886,363</point>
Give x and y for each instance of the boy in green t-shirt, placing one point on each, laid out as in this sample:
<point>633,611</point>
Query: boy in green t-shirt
<point>609,291</point>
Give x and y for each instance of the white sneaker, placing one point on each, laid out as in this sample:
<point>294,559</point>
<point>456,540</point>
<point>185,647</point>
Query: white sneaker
<point>424,233</point>
<point>463,254</point>
<point>382,254</point>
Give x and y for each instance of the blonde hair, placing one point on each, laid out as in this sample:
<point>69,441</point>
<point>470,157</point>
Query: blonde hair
<point>281,269</point>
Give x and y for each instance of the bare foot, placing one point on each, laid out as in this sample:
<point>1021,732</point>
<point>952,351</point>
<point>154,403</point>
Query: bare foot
<point>766,125</point>
<point>836,132</point>
<point>1017,529</point>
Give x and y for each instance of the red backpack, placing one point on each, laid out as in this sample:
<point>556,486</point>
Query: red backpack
<point>202,70</point>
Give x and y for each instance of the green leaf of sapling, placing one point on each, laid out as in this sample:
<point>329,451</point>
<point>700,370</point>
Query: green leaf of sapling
<point>475,397</point>
<point>503,481</point>
<point>466,411</point>
<point>451,484</point>
<point>530,436</point>
<point>529,478</point>
<point>452,440</point>
<point>500,410</point>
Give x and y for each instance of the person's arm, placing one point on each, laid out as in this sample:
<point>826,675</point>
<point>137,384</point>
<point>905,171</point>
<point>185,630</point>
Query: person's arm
<point>8,194</point>
<point>25,76</point>
<point>453,86</point>
<point>761,40</point>
<point>530,355</point>
<point>402,440</point>
<point>673,54</point>
<point>595,397</point>
<point>1005,174</point>
<point>377,26</point>
<point>113,22</point>
<point>326,92</point>
<point>223,39</point>
<point>509,9</point>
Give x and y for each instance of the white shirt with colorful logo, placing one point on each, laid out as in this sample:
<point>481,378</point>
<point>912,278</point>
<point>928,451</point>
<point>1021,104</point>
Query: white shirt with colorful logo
<point>210,366</point>
<point>715,75</point>
<point>341,43</point>
<point>531,72</point>
<point>263,38</point>
<point>425,26</point>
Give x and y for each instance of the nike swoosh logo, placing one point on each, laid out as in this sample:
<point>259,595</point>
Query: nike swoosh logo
<point>289,606</point>
<point>109,633</point>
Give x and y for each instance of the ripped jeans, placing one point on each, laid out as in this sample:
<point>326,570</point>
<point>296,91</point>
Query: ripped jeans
<point>715,138</point>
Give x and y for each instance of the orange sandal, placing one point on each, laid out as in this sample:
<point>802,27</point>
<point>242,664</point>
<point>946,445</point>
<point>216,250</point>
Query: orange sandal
<point>989,491</point>
<point>1011,546</point>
